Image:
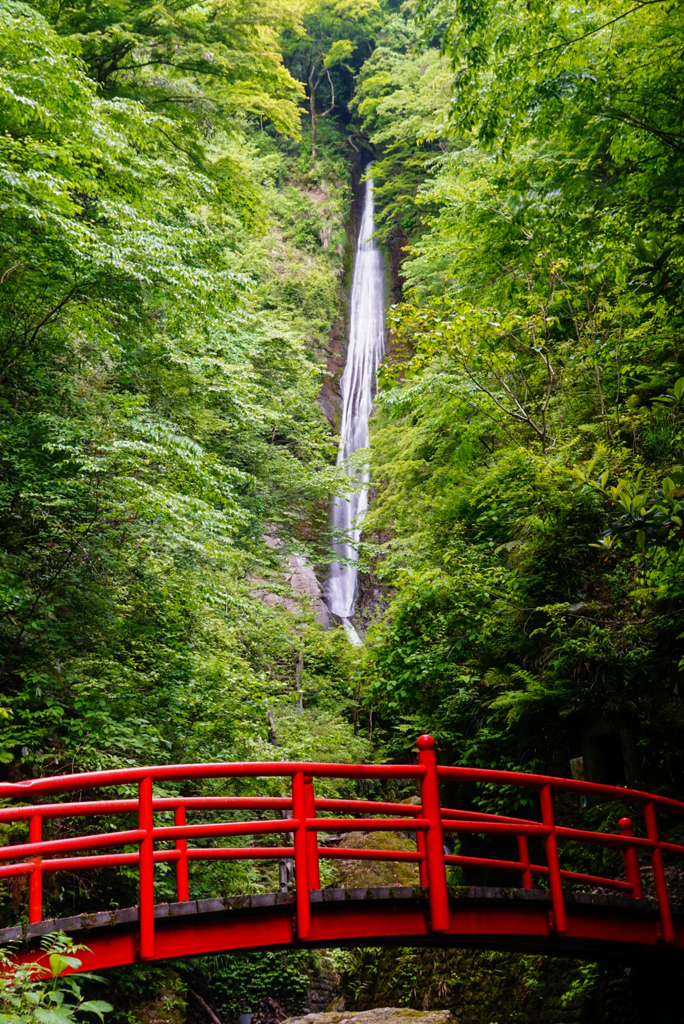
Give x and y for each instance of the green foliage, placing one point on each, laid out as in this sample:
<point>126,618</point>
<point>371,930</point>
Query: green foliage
<point>400,99</point>
<point>214,60</point>
<point>480,987</point>
<point>238,981</point>
<point>326,47</point>
<point>661,523</point>
<point>39,993</point>
<point>157,396</point>
<point>528,445</point>
<point>519,66</point>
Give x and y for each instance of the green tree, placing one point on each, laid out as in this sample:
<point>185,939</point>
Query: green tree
<point>528,441</point>
<point>217,59</point>
<point>400,99</point>
<point>332,39</point>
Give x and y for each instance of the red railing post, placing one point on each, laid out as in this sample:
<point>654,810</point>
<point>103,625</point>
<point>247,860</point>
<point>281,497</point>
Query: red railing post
<point>182,882</point>
<point>312,865</point>
<point>631,858</point>
<point>659,880</point>
<point>553,864</point>
<point>301,856</point>
<point>36,876</point>
<point>422,865</point>
<point>434,839</point>
<point>524,858</point>
<point>146,870</point>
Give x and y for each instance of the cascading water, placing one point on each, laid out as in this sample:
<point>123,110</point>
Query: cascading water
<point>366,347</point>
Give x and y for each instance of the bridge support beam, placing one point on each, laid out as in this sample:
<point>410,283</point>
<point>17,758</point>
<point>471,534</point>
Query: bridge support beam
<point>631,859</point>
<point>36,876</point>
<point>182,879</point>
<point>659,879</point>
<point>312,863</point>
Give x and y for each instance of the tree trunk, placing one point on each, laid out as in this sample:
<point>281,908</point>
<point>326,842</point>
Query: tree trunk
<point>312,107</point>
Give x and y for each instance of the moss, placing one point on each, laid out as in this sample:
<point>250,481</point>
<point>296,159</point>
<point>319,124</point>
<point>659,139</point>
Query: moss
<point>380,1015</point>
<point>354,874</point>
<point>166,1008</point>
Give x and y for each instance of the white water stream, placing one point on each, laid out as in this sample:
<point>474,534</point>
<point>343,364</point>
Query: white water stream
<point>366,347</point>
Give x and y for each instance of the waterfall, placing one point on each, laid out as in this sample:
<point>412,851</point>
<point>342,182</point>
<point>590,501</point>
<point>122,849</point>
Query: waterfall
<point>366,347</point>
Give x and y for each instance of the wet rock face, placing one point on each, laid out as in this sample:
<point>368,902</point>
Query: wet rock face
<point>302,580</point>
<point>384,1015</point>
<point>301,583</point>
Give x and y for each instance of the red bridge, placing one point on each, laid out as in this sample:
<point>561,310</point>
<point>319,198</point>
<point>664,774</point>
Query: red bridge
<point>572,913</point>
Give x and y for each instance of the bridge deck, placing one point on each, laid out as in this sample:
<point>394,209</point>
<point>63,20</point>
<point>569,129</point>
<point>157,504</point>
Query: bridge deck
<point>597,925</point>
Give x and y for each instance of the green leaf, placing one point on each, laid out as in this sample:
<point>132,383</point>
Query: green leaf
<point>59,962</point>
<point>96,1006</point>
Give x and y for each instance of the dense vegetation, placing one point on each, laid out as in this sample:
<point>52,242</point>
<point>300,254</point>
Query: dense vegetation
<point>164,294</point>
<point>530,438</point>
<point>176,197</point>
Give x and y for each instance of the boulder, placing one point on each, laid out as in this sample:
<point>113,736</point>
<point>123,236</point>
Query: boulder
<point>383,1015</point>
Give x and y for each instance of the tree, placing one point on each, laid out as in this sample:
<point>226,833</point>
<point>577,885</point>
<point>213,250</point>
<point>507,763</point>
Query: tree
<point>216,58</point>
<point>518,64</point>
<point>528,441</point>
<point>333,38</point>
<point>400,96</point>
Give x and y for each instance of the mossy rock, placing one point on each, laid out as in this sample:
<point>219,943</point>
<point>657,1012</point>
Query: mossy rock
<point>381,1015</point>
<point>353,874</point>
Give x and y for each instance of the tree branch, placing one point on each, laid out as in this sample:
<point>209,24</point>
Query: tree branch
<point>613,21</point>
<point>667,138</point>
<point>332,90</point>
<point>205,1006</point>
<point>41,323</point>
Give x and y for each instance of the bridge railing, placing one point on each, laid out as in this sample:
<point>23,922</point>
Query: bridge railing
<point>309,816</point>
<point>551,833</point>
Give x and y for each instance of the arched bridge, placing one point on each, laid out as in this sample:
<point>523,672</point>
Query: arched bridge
<point>571,912</point>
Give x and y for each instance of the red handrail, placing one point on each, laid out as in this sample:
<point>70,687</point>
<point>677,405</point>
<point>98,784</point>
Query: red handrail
<point>427,821</point>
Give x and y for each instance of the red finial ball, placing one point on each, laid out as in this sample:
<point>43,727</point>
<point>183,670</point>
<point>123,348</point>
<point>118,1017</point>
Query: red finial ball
<point>425,742</point>
<point>624,824</point>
